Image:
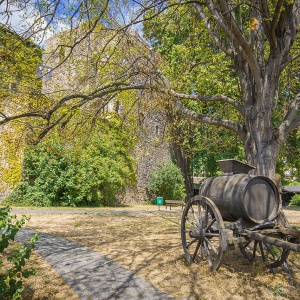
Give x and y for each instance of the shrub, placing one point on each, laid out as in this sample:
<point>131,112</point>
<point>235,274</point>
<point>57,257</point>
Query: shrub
<point>167,182</point>
<point>295,201</point>
<point>60,173</point>
<point>12,266</point>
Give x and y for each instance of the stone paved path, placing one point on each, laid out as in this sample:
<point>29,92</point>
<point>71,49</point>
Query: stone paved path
<point>90,274</point>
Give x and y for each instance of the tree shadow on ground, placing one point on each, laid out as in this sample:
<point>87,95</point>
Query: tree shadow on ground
<point>150,245</point>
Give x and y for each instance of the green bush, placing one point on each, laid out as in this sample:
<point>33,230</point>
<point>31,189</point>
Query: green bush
<point>295,201</point>
<point>60,173</point>
<point>12,266</point>
<point>167,182</point>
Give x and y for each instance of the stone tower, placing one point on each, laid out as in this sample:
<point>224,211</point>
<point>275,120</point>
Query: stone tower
<point>151,148</point>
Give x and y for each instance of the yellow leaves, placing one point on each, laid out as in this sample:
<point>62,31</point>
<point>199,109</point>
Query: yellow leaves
<point>253,23</point>
<point>11,145</point>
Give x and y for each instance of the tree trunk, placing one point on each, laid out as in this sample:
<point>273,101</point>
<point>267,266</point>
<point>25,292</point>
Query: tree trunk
<point>184,164</point>
<point>263,141</point>
<point>182,158</point>
<point>263,156</point>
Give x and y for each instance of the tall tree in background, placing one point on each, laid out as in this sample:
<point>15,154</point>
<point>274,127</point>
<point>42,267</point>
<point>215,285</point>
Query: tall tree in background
<point>192,63</point>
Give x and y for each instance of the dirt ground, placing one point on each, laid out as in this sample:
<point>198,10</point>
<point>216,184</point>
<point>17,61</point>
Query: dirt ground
<point>149,244</point>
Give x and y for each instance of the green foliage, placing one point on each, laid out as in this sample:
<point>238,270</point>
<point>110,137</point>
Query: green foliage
<point>13,268</point>
<point>167,182</point>
<point>279,290</point>
<point>295,201</point>
<point>288,160</point>
<point>208,152</point>
<point>67,173</point>
<point>190,59</point>
<point>18,64</point>
<point>194,65</point>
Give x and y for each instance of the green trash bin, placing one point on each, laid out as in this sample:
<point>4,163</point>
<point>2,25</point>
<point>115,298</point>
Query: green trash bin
<point>159,201</point>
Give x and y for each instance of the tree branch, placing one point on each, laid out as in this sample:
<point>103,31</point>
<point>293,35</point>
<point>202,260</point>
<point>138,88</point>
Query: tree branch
<point>274,22</point>
<point>48,128</point>
<point>215,38</point>
<point>289,60</point>
<point>215,98</point>
<point>291,121</point>
<point>233,126</point>
<point>76,42</point>
<point>5,119</point>
<point>295,123</point>
<point>230,28</point>
<point>265,16</point>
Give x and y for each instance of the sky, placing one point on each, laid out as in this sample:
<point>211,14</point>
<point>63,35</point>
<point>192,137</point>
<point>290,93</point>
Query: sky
<point>22,19</point>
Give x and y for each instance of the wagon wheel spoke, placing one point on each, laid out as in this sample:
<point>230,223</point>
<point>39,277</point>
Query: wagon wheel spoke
<point>199,241</point>
<point>199,211</point>
<point>205,219</point>
<point>264,257</point>
<point>208,254</point>
<point>191,242</point>
<point>202,251</point>
<point>191,222</point>
<point>254,250</point>
<point>212,234</point>
<point>270,250</point>
<point>244,246</point>
<point>275,256</point>
<point>211,245</point>
<point>193,215</point>
<point>196,250</point>
<point>210,224</point>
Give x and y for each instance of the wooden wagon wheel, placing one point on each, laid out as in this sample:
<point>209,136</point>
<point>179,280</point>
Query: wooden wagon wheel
<point>272,256</point>
<point>201,232</point>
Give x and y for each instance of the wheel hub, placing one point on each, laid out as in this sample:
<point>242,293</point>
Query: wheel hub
<point>198,233</point>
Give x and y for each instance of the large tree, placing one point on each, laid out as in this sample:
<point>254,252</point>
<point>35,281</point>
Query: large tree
<point>258,38</point>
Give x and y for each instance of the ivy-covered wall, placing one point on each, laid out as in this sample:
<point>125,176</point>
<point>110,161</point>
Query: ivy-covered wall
<point>19,85</point>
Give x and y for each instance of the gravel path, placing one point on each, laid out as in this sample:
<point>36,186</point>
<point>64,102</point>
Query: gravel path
<point>90,274</point>
<point>90,211</point>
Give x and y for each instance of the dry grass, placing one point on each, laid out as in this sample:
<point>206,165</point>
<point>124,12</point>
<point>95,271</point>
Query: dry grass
<point>46,285</point>
<point>149,244</point>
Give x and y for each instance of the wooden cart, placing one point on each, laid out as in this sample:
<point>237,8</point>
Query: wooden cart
<point>237,209</point>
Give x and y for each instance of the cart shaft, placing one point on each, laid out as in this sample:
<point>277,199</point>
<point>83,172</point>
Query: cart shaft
<point>273,241</point>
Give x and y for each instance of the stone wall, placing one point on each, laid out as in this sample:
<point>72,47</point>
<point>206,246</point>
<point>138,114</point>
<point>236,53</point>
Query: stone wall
<point>150,150</point>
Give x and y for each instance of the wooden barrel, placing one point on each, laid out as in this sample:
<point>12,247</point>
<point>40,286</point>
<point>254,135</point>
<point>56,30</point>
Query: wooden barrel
<point>253,198</point>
